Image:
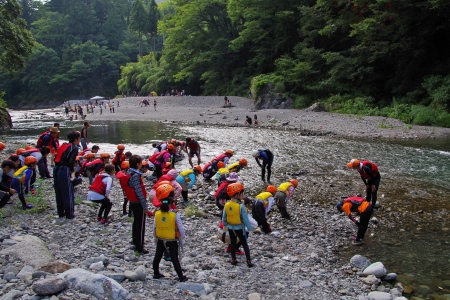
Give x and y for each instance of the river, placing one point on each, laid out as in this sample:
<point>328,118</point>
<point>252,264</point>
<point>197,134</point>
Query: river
<point>412,235</point>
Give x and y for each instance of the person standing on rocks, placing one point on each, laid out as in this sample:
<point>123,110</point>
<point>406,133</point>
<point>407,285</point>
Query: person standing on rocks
<point>361,207</point>
<point>64,173</point>
<point>169,231</point>
<point>84,139</point>
<point>369,175</point>
<point>283,194</point>
<point>194,149</point>
<point>267,159</point>
<point>99,192</point>
<point>235,217</point>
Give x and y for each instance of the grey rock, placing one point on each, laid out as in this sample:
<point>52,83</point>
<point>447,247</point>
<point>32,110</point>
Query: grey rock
<point>26,273</point>
<point>254,296</point>
<point>119,277</point>
<point>370,280</point>
<point>8,242</point>
<point>92,260</point>
<point>12,269</point>
<point>9,276</point>
<point>376,269</point>
<point>360,262</point>
<point>49,286</point>
<point>97,285</point>
<point>39,274</point>
<point>197,288</point>
<point>98,266</point>
<point>130,275</point>
<point>31,251</point>
<point>305,284</point>
<point>379,296</point>
<point>141,273</point>
<point>389,277</point>
<point>11,295</point>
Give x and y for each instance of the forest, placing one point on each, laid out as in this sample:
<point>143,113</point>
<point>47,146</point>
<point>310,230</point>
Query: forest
<point>371,57</point>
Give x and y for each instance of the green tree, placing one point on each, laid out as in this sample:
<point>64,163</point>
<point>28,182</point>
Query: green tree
<point>153,16</point>
<point>139,21</point>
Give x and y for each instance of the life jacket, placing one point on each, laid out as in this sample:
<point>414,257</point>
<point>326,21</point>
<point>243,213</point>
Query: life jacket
<point>284,186</point>
<point>61,151</point>
<point>95,166</point>
<point>224,171</point>
<point>374,168</point>
<point>359,204</point>
<point>264,197</point>
<point>83,153</point>
<point>233,212</point>
<point>20,174</point>
<point>221,191</point>
<point>118,158</point>
<point>166,226</point>
<point>160,158</point>
<point>221,157</point>
<point>164,178</point>
<point>120,174</point>
<point>26,153</point>
<point>153,157</point>
<point>98,185</point>
<point>130,193</point>
<point>209,170</point>
<point>185,174</point>
<point>234,167</point>
<point>40,140</point>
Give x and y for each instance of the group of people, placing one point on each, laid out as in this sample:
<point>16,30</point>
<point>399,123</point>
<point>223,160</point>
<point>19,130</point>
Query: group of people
<point>72,161</point>
<point>248,120</point>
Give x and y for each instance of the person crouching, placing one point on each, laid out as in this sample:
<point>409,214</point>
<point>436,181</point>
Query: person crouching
<point>99,192</point>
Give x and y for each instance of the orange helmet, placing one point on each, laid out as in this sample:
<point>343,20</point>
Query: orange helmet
<point>243,162</point>
<point>353,163</point>
<point>90,155</point>
<point>144,163</point>
<point>229,152</point>
<point>77,158</point>
<point>29,147</point>
<point>2,146</point>
<point>105,155</point>
<point>161,183</point>
<point>168,165</point>
<point>170,147</point>
<point>172,141</point>
<point>120,147</point>
<point>294,182</point>
<point>30,159</point>
<point>198,169</point>
<point>271,189</point>
<point>125,164</point>
<point>19,151</point>
<point>234,188</point>
<point>221,164</point>
<point>163,191</point>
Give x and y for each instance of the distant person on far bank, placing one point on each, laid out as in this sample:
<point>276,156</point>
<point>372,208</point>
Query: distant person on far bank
<point>154,104</point>
<point>255,120</point>
<point>248,120</point>
<point>84,139</point>
<point>369,175</point>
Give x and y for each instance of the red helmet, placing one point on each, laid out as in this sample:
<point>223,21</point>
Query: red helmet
<point>120,147</point>
<point>163,191</point>
<point>168,165</point>
<point>30,159</point>
<point>229,152</point>
<point>221,164</point>
<point>243,162</point>
<point>234,188</point>
<point>294,182</point>
<point>271,189</point>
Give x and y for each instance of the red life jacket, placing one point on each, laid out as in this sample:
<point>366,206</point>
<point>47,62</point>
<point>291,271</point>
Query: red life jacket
<point>205,167</point>
<point>61,151</point>
<point>26,153</point>
<point>98,185</point>
<point>95,166</point>
<point>374,168</point>
<point>162,178</point>
<point>220,191</point>
<point>118,158</point>
<point>160,158</point>
<point>355,201</point>
<point>153,157</point>
<point>221,157</point>
<point>40,140</point>
<point>130,193</point>
<point>83,153</point>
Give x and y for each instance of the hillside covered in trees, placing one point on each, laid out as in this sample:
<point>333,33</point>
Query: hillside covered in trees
<point>376,57</point>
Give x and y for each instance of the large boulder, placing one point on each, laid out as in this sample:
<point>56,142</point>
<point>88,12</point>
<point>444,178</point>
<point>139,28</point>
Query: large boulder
<point>376,269</point>
<point>360,262</point>
<point>30,250</point>
<point>96,285</point>
<point>270,98</point>
<point>317,107</point>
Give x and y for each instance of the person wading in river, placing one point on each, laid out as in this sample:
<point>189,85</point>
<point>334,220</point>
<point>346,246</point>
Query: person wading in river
<point>369,175</point>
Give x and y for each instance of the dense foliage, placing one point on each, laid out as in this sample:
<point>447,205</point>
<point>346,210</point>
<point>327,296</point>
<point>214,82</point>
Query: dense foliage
<point>382,57</point>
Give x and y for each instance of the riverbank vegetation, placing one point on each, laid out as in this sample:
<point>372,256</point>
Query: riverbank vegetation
<point>371,57</point>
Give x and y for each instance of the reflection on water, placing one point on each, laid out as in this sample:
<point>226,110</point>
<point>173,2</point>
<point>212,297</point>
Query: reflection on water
<point>415,178</point>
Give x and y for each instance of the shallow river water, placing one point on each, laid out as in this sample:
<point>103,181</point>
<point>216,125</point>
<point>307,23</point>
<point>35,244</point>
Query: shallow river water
<point>412,237</point>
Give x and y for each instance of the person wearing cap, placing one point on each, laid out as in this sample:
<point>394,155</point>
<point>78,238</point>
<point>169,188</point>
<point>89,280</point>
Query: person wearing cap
<point>369,175</point>
<point>261,207</point>
<point>119,157</point>
<point>23,179</point>
<point>187,179</point>
<point>64,174</point>
<point>221,193</point>
<point>283,194</point>
<point>362,208</point>
<point>235,217</point>
<point>163,157</point>
<point>194,149</point>
<point>168,231</point>
<point>84,139</point>
<point>267,159</point>
<point>99,192</point>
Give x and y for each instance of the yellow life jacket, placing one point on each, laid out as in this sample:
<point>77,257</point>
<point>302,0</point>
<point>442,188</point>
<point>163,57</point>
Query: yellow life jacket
<point>284,186</point>
<point>233,166</point>
<point>20,174</point>
<point>223,171</point>
<point>233,211</point>
<point>165,225</point>
<point>185,174</point>
<point>264,196</point>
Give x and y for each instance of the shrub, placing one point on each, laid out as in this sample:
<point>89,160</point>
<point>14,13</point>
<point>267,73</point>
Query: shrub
<point>193,210</point>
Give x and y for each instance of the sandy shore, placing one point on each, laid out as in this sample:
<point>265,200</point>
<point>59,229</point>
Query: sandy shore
<point>210,110</point>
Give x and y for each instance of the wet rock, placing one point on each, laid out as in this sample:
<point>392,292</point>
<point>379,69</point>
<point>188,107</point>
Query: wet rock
<point>370,280</point>
<point>360,262</point>
<point>49,286</point>
<point>376,269</point>
<point>31,251</point>
<point>39,274</point>
<point>55,267</point>
<point>11,295</point>
<point>389,277</point>
<point>379,296</point>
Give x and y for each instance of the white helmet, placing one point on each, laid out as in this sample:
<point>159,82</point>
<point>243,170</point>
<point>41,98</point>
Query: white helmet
<point>255,153</point>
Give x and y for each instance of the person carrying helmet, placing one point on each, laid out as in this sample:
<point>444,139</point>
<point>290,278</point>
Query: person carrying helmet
<point>369,175</point>
<point>6,176</point>
<point>119,157</point>
<point>283,194</point>
<point>267,159</point>
<point>23,178</point>
<point>221,194</point>
<point>235,217</point>
<point>194,149</point>
<point>64,174</point>
<point>96,166</point>
<point>261,206</point>
<point>136,194</point>
<point>362,208</point>
<point>99,192</point>
<point>163,157</point>
<point>187,179</point>
<point>169,232</point>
